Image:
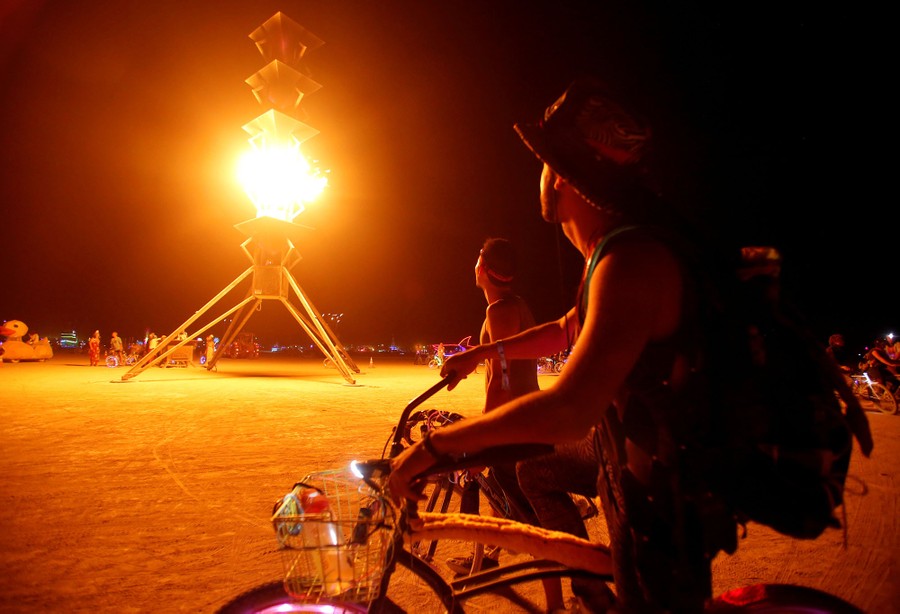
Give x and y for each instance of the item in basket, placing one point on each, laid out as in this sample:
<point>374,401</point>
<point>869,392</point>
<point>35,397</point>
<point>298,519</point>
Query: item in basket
<point>288,506</point>
<point>361,529</point>
<point>323,536</point>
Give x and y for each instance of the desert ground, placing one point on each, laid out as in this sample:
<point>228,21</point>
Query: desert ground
<point>154,494</point>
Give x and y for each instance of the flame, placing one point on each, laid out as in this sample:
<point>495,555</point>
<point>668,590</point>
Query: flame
<point>279,180</point>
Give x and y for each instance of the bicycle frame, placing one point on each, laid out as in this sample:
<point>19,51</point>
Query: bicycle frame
<point>556,554</point>
<point>871,391</point>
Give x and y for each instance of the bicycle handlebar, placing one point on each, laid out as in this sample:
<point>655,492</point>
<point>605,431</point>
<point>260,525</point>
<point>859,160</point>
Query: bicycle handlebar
<point>377,468</point>
<point>396,445</point>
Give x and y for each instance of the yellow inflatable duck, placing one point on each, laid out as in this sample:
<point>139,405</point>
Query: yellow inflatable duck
<point>15,349</point>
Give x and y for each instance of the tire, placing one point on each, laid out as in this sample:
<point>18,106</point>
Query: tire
<point>878,396</point>
<point>112,361</point>
<point>417,587</point>
<point>558,367</point>
<point>432,364</point>
<point>268,597</point>
<point>886,402</point>
<point>781,598</point>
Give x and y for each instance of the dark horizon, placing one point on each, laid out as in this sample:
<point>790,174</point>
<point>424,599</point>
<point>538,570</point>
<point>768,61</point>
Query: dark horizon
<point>120,124</point>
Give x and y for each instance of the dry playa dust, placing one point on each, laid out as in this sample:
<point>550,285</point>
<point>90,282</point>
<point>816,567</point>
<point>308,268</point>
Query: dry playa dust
<point>153,495</point>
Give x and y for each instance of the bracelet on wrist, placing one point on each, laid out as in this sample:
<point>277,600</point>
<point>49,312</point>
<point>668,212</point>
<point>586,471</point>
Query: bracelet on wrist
<point>504,371</point>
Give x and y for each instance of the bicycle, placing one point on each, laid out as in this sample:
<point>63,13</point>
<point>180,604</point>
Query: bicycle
<point>872,394</point>
<point>365,553</point>
<point>550,365</point>
<point>113,361</point>
<point>442,487</point>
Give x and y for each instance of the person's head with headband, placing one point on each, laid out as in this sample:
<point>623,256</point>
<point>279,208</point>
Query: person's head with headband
<point>497,261</point>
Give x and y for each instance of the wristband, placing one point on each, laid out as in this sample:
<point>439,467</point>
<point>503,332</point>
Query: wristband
<point>503,370</point>
<point>429,446</point>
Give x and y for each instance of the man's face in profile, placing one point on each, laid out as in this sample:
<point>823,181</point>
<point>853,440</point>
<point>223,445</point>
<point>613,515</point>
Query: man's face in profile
<point>549,196</point>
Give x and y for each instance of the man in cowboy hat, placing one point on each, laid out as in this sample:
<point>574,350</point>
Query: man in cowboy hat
<point>632,377</point>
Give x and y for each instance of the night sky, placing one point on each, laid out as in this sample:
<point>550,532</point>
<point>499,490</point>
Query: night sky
<point>121,124</point>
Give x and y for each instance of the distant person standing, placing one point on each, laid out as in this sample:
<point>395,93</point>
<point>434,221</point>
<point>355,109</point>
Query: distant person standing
<point>116,348</point>
<point>210,348</point>
<point>94,348</point>
<point>507,314</point>
<point>838,350</point>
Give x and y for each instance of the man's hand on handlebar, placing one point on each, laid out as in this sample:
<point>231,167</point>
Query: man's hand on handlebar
<point>458,367</point>
<point>406,468</point>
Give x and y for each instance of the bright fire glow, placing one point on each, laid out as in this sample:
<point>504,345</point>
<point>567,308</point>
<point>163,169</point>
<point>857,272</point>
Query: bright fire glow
<point>279,180</point>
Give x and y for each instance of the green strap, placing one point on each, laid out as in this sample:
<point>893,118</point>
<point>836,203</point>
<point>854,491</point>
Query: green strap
<point>594,259</point>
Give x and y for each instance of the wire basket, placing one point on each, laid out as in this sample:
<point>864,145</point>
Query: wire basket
<point>337,552</point>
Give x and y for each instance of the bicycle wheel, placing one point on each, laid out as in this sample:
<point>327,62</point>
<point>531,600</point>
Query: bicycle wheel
<point>781,599</point>
<point>112,361</point>
<point>887,403</point>
<point>271,598</point>
<point>416,586</point>
<point>879,397</point>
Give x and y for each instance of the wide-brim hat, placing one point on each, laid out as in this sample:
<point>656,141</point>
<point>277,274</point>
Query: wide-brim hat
<point>594,144</point>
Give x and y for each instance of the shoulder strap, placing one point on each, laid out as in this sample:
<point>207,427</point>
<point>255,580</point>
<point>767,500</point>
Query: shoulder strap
<point>592,264</point>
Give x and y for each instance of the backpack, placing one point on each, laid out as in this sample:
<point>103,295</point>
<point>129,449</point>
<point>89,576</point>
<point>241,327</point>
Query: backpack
<point>781,415</point>
<point>785,410</point>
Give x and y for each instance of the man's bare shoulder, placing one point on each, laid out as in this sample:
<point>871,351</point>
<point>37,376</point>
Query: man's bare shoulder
<point>507,305</point>
<point>507,316</point>
<point>642,253</point>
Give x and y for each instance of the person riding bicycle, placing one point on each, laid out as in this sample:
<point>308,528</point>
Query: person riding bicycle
<point>506,314</point>
<point>881,367</point>
<point>837,349</point>
<point>634,378</point>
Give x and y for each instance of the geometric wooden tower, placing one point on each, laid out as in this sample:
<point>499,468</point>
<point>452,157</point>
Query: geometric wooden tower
<point>275,136</point>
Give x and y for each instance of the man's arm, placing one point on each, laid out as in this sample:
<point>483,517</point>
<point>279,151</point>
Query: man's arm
<point>540,340</point>
<point>635,297</point>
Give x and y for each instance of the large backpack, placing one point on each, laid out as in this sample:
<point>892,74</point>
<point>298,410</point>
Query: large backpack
<point>782,417</point>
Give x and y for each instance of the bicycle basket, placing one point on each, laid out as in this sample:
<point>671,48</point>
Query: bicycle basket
<point>338,551</point>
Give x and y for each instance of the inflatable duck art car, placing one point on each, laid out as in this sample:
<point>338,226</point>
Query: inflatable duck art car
<point>15,349</point>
